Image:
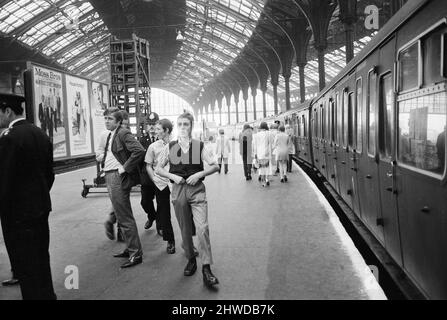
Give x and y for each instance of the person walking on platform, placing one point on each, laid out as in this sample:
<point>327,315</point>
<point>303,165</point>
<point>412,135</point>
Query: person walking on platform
<point>273,169</point>
<point>245,149</point>
<point>186,157</point>
<point>262,150</point>
<point>26,178</point>
<point>292,140</point>
<point>148,187</point>
<point>163,129</point>
<point>122,157</point>
<point>222,150</point>
<point>281,146</point>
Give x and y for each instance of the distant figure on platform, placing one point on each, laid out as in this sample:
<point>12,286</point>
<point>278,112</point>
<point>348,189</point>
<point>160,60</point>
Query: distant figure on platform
<point>222,150</point>
<point>122,157</point>
<point>273,169</point>
<point>186,157</point>
<point>147,185</point>
<point>26,172</point>
<point>281,145</point>
<point>262,149</point>
<point>42,115</point>
<point>292,150</point>
<point>163,129</point>
<point>245,149</point>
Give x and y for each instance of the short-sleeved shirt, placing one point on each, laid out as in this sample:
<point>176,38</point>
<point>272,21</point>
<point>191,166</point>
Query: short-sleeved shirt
<point>208,155</point>
<point>152,157</point>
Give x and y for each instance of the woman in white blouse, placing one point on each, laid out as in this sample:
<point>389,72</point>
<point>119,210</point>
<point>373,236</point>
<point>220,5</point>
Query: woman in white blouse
<point>262,149</point>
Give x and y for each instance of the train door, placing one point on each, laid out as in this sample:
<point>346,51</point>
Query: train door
<point>338,127</point>
<point>330,142</point>
<point>387,161</point>
<point>344,152</point>
<point>367,164</point>
<point>324,140</point>
<point>421,170</point>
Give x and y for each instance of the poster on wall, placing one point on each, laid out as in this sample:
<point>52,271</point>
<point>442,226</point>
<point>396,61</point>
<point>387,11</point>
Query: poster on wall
<point>99,101</point>
<point>49,112</point>
<point>78,107</point>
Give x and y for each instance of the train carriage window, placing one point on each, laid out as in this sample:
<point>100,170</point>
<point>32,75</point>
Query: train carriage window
<point>386,115</point>
<point>351,120</point>
<point>304,125</point>
<point>371,113</point>
<point>345,127</point>
<point>431,48</point>
<point>323,121</point>
<point>336,117</point>
<point>359,106</point>
<point>409,67</point>
<point>422,131</point>
<point>330,118</point>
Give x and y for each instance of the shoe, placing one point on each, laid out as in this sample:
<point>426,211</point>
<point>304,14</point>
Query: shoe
<point>282,180</point>
<point>208,277</point>
<point>148,224</point>
<point>119,235</point>
<point>10,282</point>
<point>259,178</point>
<point>268,183</point>
<point>124,254</point>
<point>160,232</point>
<point>132,262</point>
<point>285,178</point>
<point>247,178</point>
<point>109,230</point>
<point>171,247</point>
<point>191,267</point>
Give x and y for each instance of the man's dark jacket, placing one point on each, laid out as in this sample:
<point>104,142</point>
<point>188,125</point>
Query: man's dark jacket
<point>130,154</point>
<point>26,173</point>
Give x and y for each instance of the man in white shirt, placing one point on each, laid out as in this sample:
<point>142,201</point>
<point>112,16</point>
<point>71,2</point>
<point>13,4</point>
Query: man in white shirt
<point>186,157</point>
<point>222,150</point>
<point>163,129</point>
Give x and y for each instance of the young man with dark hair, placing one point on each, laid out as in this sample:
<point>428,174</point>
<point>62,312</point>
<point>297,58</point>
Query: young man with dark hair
<point>186,157</point>
<point>26,172</point>
<point>163,129</point>
<point>122,156</point>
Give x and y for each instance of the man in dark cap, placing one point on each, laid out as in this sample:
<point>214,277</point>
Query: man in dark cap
<point>147,185</point>
<point>26,164</point>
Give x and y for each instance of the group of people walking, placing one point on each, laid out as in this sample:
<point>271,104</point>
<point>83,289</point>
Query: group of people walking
<point>267,150</point>
<point>167,170</point>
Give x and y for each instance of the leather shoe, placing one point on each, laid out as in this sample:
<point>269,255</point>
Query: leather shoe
<point>171,247</point>
<point>132,262</point>
<point>10,282</point>
<point>109,230</point>
<point>124,254</point>
<point>191,267</point>
<point>148,224</point>
<point>208,277</point>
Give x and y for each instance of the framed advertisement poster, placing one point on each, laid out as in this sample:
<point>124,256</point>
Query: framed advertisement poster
<point>49,107</point>
<point>99,102</point>
<point>78,109</point>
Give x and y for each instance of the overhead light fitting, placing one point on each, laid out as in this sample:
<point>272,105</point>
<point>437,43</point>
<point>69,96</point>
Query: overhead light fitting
<point>180,36</point>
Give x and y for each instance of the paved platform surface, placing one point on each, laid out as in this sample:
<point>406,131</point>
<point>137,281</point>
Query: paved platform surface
<point>280,242</point>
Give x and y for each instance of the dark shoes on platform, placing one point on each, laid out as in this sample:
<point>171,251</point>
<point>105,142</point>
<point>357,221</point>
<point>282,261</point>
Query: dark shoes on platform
<point>248,178</point>
<point>124,254</point>
<point>132,262</point>
<point>209,279</point>
<point>191,267</point>
<point>148,224</point>
<point>171,247</point>
<point>10,282</point>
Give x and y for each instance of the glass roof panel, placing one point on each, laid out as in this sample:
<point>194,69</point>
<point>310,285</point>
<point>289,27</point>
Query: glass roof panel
<point>16,13</point>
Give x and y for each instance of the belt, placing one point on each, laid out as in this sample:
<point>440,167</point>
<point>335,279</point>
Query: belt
<point>109,171</point>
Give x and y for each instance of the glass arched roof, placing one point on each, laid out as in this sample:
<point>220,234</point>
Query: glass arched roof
<point>68,31</point>
<point>215,33</point>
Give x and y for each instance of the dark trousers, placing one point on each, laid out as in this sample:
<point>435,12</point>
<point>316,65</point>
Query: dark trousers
<point>164,213</point>
<point>247,166</point>
<point>27,245</point>
<point>147,201</point>
<point>289,163</point>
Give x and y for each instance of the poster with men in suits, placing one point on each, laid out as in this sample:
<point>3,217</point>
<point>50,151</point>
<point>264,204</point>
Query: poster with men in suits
<point>99,101</point>
<point>49,107</point>
<point>79,112</point>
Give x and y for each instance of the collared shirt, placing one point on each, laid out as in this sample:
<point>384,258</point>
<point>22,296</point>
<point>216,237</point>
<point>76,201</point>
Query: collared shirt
<point>5,131</point>
<point>110,162</point>
<point>207,153</point>
<point>152,154</point>
<point>15,121</point>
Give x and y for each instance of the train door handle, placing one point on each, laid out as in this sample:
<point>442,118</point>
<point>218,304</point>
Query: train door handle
<point>425,209</point>
<point>343,162</point>
<point>368,176</point>
<point>391,189</point>
<point>335,158</point>
<point>354,169</point>
<point>380,222</point>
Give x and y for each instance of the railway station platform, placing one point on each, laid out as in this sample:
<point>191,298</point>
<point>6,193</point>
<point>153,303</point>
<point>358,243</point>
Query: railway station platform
<point>280,242</point>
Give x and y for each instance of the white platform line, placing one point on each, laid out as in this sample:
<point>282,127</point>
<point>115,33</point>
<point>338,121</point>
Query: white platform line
<point>370,284</point>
